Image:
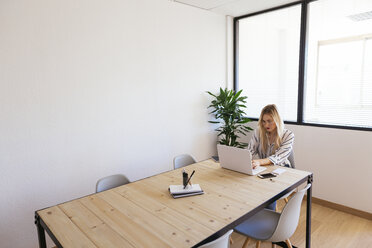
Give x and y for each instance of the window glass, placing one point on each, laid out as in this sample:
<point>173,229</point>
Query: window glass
<point>267,60</point>
<point>338,89</point>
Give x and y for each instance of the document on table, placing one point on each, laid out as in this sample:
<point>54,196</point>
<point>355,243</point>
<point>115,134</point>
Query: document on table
<point>278,171</point>
<point>178,190</point>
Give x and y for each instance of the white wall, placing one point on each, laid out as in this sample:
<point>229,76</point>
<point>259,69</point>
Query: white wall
<point>90,88</point>
<point>341,163</point>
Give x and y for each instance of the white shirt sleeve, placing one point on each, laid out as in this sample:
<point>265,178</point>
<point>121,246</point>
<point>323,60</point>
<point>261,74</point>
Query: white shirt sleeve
<point>254,143</point>
<point>284,150</point>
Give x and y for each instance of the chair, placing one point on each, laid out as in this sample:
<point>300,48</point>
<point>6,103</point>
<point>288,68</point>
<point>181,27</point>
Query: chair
<point>285,197</point>
<point>221,242</point>
<point>268,225</point>
<point>111,182</point>
<point>183,160</point>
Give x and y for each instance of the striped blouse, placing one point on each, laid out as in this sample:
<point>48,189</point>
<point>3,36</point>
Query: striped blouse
<point>277,157</point>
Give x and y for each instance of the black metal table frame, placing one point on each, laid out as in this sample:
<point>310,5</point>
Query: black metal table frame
<point>42,227</point>
<point>308,179</point>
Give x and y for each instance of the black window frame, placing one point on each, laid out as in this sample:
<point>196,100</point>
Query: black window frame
<point>302,63</point>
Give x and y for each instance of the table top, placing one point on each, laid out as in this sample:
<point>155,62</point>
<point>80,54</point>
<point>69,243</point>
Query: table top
<point>144,214</point>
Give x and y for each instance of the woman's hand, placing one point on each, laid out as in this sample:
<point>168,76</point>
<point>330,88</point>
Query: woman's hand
<point>260,162</point>
<point>255,163</point>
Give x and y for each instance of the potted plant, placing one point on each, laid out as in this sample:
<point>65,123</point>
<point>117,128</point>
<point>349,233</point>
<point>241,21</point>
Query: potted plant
<point>227,108</point>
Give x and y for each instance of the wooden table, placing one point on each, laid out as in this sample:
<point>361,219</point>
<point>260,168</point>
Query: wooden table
<point>143,214</point>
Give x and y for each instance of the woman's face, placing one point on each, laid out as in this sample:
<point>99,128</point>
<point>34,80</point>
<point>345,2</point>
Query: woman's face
<point>268,123</point>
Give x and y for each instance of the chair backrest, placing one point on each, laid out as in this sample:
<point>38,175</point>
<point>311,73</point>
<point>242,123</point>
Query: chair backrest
<point>183,160</point>
<point>111,182</point>
<point>291,159</point>
<point>221,242</point>
<point>289,217</point>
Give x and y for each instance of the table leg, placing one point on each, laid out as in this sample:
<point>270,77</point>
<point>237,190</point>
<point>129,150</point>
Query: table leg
<point>40,232</point>
<point>308,213</point>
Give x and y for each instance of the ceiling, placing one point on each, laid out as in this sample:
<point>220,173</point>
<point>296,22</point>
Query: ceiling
<point>234,7</point>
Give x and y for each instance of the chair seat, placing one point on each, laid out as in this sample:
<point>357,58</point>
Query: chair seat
<point>261,226</point>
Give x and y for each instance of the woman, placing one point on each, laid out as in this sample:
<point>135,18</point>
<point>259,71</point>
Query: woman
<point>271,143</point>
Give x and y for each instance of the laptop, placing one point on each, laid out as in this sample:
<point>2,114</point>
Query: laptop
<point>237,159</point>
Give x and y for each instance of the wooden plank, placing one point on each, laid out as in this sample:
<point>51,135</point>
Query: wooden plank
<point>252,185</point>
<point>252,190</point>
<point>212,172</point>
<point>239,189</point>
<point>67,233</point>
<point>93,227</point>
<point>218,207</point>
<point>287,178</point>
<point>143,214</point>
<point>132,231</point>
<point>181,205</point>
<point>171,216</point>
<point>168,233</point>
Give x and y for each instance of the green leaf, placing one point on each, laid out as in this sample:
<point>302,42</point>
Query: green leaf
<point>245,120</point>
<point>227,108</point>
<point>211,94</point>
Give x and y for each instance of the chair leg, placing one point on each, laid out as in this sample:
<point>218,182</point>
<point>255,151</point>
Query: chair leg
<point>258,244</point>
<point>276,208</point>
<point>286,200</point>
<point>245,245</point>
<point>273,245</point>
<point>231,241</point>
<point>288,243</point>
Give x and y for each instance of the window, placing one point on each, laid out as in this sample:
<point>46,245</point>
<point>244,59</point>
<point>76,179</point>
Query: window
<point>267,60</point>
<point>311,58</point>
<point>338,83</point>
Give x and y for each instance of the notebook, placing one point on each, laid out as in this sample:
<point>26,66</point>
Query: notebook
<point>178,191</point>
<point>237,159</point>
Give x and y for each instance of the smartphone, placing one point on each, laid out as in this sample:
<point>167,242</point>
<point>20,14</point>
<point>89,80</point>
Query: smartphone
<point>266,175</point>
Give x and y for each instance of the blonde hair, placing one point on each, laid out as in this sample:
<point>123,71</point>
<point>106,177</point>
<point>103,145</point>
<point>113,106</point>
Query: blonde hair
<point>271,110</point>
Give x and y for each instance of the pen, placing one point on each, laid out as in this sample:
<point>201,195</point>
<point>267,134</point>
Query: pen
<point>189,179</point>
